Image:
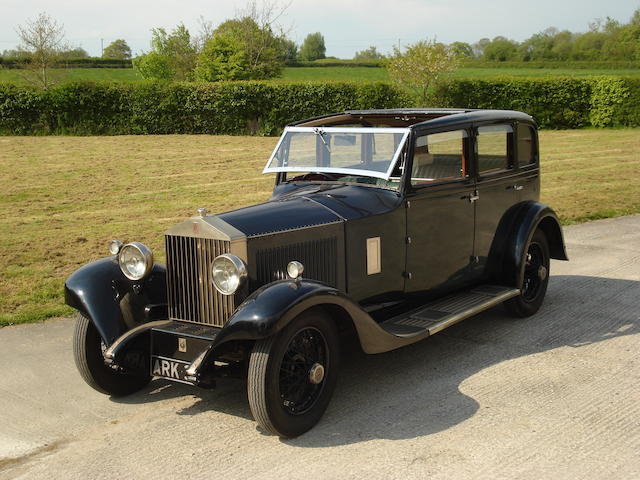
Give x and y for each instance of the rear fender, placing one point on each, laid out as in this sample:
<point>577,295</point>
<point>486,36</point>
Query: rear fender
<point>514,232</point>
<point>114,303</point>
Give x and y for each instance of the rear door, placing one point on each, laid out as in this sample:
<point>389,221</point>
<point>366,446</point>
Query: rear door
<point>440,213</point>
<point>497,184</point>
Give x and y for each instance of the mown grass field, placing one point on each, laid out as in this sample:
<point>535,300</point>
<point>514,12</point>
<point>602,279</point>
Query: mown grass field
<point>63,198</point>
<point>313,74</point>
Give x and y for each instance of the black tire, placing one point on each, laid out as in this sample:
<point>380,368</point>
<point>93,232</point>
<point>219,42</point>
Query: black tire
<point>283,398</point>
<point>87,352</point>
<point>535,278</point>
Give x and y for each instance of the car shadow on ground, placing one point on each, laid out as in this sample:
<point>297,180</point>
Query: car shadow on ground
<point>415,391</point>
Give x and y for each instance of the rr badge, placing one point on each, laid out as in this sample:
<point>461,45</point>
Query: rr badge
<point>182,345</point>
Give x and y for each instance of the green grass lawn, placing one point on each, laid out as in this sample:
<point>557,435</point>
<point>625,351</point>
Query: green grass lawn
<point>313,74</point>
<point>64,198</point>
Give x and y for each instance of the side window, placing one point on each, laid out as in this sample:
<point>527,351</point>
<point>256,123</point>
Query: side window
<point>495,148</point>
<point>526,145</point>
<point>439,156</point>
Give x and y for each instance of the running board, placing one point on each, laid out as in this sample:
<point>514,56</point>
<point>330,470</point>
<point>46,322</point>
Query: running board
<point>440,314</point>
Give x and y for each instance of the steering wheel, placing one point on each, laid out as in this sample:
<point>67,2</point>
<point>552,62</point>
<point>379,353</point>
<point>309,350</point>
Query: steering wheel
<point>325,175</point>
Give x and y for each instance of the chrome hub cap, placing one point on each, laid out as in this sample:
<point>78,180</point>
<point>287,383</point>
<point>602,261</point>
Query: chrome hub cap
<point>316,374</point>
<point>542,272</point>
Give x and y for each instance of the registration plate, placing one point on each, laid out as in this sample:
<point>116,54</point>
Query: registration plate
<point>169,368</point>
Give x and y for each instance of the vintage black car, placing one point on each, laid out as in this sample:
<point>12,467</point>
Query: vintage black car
<point>387,225</point>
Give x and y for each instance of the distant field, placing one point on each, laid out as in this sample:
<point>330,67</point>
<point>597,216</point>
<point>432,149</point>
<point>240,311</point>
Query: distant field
<point>319,74</point>
<point>63,198</point>
<point>62,75</point>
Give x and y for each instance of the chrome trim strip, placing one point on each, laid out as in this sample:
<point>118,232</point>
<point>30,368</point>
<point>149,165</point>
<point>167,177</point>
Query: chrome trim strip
<point>115,347</point>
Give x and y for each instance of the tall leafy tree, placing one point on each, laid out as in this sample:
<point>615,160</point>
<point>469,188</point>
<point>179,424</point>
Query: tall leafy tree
<point>172,55</point>
<point>117,49</point>
<point>313,48</point>
<point>421,66</point>
<point>241,49</point>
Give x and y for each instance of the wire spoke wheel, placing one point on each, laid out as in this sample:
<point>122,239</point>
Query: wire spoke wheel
<point>535,277</point>
<point>293,373</point>
<point>298,390</point>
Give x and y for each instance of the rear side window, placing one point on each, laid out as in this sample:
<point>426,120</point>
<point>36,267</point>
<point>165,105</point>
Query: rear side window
<point>495,148</point>
<point>438,157</point>
<point>526,145</point>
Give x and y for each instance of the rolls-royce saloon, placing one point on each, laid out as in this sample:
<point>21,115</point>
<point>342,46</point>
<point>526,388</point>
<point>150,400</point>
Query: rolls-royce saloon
<point>384,225</point>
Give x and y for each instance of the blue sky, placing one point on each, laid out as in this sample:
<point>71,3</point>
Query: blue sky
<point>347,25</point>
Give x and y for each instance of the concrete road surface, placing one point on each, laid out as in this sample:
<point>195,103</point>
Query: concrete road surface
<point>552,396</point>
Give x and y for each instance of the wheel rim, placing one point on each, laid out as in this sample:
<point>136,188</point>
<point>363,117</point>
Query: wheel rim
<point>302,376</point>
<point>535,273</point>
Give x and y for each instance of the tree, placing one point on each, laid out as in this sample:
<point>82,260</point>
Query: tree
<point>462,49</point>
<point>77,52</point>
<point>172,55</point>
<point>117,49</point>
<point>222,58</point>
<point>290,50</point>
<point>43,39</point>
<point>312,48</point>
<point>370,53</point>
<point>500,49</point>
<point>421,66</point>
<point>250,46</point>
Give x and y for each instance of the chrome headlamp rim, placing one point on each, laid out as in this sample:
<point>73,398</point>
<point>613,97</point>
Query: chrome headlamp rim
<point>241,272</point>
<point>146,254</point>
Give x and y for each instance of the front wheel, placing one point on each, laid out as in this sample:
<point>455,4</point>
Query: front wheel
<point>88,353</point>
<point>535,278</point>
<point>292,375</point>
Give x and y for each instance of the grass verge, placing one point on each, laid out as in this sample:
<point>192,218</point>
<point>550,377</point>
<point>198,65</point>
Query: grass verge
<point>63,198</point>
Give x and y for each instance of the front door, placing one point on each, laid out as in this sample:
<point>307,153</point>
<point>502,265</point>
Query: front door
<point>440,213</point>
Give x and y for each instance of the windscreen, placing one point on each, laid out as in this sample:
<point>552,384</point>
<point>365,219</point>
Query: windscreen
<point>371,152</point>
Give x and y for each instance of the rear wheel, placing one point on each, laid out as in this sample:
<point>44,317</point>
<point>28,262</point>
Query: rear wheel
<point>535,278</point>
<point>88,351</point>
<point>292,375</point>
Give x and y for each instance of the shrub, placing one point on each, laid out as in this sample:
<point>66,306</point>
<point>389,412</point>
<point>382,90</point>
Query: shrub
<point>235,108</point>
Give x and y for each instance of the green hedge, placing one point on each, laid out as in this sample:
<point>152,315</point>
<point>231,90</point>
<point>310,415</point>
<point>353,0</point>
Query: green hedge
<point>91,62</point>
<point>560,102</point>
<point>262,108</point>
<point>555,64</point>
<point>157,108</point>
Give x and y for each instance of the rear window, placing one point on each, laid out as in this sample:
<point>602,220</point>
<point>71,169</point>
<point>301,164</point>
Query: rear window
<point>495,148</point>
<point>526,145</point>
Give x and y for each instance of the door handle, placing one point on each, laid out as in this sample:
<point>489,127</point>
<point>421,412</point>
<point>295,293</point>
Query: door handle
<point>472,198</point>
<point>515,187</point>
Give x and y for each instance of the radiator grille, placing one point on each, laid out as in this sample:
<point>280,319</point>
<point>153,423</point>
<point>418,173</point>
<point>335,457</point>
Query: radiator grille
<point>319,258</point>
<point>190,291</point>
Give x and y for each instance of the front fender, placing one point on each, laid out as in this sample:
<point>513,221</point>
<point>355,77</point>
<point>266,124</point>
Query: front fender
<point>272,307</point>
<point>114,303</point>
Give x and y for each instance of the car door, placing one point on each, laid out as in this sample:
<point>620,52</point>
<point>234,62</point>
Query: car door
<point>440,212</point>
<point>497,184</point>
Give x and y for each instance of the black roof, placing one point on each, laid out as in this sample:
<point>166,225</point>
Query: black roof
<point>440,117</point>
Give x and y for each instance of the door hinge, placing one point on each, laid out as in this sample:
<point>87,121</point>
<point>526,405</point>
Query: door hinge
<point>408,240</point>
<point>474,259</point>
<point>408,204</point>
<point>408,275</point>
